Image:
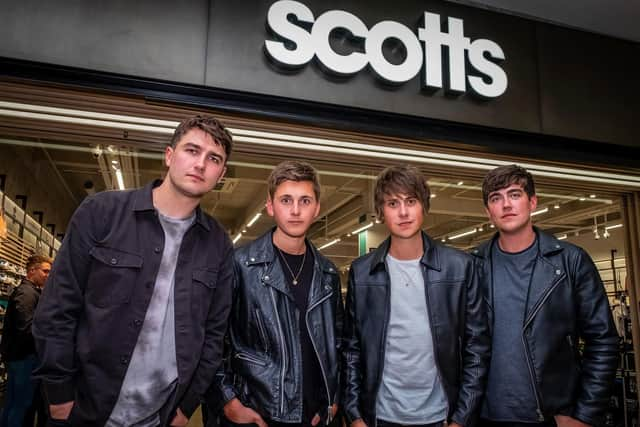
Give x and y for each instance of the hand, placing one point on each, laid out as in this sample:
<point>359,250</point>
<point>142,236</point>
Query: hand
<point>235,411</point>
<point>358,423</point>
<point>316,418</point>
<point>61,411</point>
<point>566,421</point>
<point>180,420</point>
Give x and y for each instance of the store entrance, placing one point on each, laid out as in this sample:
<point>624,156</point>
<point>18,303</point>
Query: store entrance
<point>57,146</point>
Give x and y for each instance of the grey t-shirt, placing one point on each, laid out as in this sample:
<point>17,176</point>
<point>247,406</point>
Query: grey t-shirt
<point>153,373</point>
<point>509,395</point>
<point>411,391</point>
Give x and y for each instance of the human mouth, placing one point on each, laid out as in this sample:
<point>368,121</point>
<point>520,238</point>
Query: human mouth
<point>196,177</point>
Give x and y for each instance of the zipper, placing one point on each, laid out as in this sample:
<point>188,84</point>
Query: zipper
<point>250,358</point>
<point>283,352</point>
<point>262,331</point>
<point>315,349</point>
<point>529,319</point>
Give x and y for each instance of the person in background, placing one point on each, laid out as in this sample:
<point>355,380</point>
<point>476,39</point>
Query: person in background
<point>17,346</point>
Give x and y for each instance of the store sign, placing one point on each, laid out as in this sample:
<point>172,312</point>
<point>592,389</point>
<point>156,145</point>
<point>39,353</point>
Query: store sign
<point>294,46</point>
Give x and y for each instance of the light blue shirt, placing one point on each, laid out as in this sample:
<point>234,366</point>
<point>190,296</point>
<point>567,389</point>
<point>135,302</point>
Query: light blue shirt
<point>411,391</point>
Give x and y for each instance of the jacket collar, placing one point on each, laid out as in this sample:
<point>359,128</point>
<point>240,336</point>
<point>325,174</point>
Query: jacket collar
<point>430,257</point>
<point>262,250</point>
<point>143,202</point>
<point>547,243</point>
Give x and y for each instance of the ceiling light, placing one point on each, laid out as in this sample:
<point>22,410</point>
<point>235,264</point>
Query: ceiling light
<point>120,179</point>
<point>432,196</point>
<point>326,245</point>
<point>592,196</point>
<point>480,229</point>
<point>466,233</point>
<point>362,228</point>
<point>556,206</point>
<point>612,227</point>
<point>460,182</point>
<point>443,240</point>
<point>254,219</point>
<point>540,211</point>
<point>244,231</point>
<point>606,234</point>
<point>561,237</point>
<point>235,239</point>
<point>167,127</point>
<point>582,199</point>
<point>492,226</point>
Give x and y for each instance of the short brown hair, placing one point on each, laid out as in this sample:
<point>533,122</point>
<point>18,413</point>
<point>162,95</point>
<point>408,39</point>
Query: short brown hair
<point>504,176</point>
<point>35,260</point>
<point>401,180</point>
<point>209,125</point>
<point>293,170</point>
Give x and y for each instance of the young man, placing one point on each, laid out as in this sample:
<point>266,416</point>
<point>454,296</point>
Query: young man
<point>286,318</point>
<point>544,296</point>
<point>17,346</point>
<point>416,342</point>
<point>130,327</point>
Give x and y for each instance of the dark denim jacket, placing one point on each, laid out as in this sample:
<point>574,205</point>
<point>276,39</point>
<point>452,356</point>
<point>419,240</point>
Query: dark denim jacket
<point>95,300</point>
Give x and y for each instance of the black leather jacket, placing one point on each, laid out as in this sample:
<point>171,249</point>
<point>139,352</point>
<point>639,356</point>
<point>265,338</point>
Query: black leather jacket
<point>264,362</point>
<point>458,326</point>
<point>566,301</point>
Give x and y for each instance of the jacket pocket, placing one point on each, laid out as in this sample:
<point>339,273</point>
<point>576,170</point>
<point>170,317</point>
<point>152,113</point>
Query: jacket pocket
<point>204,286</point>
<point>113,276</point>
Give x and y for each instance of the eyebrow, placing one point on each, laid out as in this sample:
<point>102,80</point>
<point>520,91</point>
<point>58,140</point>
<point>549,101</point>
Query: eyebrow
<point>199,147</point>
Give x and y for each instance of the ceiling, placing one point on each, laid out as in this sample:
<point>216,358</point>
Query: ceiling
<point>83,156</point>
<point>616,18</point>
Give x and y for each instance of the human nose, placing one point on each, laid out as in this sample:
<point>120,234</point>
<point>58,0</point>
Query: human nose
<point>403,208</point>
<point>295,208</point>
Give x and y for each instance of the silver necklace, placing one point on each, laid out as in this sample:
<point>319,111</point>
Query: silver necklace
<point>294,276</point>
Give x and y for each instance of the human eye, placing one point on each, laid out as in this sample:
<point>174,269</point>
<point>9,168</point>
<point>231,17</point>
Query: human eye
<point>411,201</point>
<point>306,201</point>
<point>286,200</point>
<point>515,195</point>
<point>392,203</point>
<point>214,159</point>
<point>494,198</point>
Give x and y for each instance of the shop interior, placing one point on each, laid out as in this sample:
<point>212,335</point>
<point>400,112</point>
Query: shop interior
<point>58,145</point>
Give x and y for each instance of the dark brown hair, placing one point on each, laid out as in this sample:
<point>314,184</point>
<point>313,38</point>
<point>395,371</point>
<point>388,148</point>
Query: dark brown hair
<point>401,180</point>
<point>504,176</point>
<point>293,170</point>
<point>35,260</point>
<point>209,125</point>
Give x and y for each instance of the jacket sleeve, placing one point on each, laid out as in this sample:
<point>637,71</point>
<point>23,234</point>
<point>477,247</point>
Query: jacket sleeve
<point>597,330</point>
<point>475,351</point>
<point>60,306</point>
<point>351,366</point>
<point>25,307</point>
<point>211,356</point>
<point>223,389</point>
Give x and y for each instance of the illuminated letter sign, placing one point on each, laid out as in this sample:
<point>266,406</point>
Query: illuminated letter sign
<point>294,47</point>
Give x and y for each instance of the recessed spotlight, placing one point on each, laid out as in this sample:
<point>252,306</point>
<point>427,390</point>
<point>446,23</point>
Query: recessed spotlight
<point>582,199</point>
<point>432,196</point>
<point>460,182</point>
<point>592,196</point>
<point>556,206</point>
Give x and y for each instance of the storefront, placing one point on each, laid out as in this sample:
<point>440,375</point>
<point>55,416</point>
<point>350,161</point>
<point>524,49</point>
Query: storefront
<point>88,99</point>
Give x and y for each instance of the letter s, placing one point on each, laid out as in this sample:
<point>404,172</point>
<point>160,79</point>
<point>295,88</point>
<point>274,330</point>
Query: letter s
<point>278,23</point>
